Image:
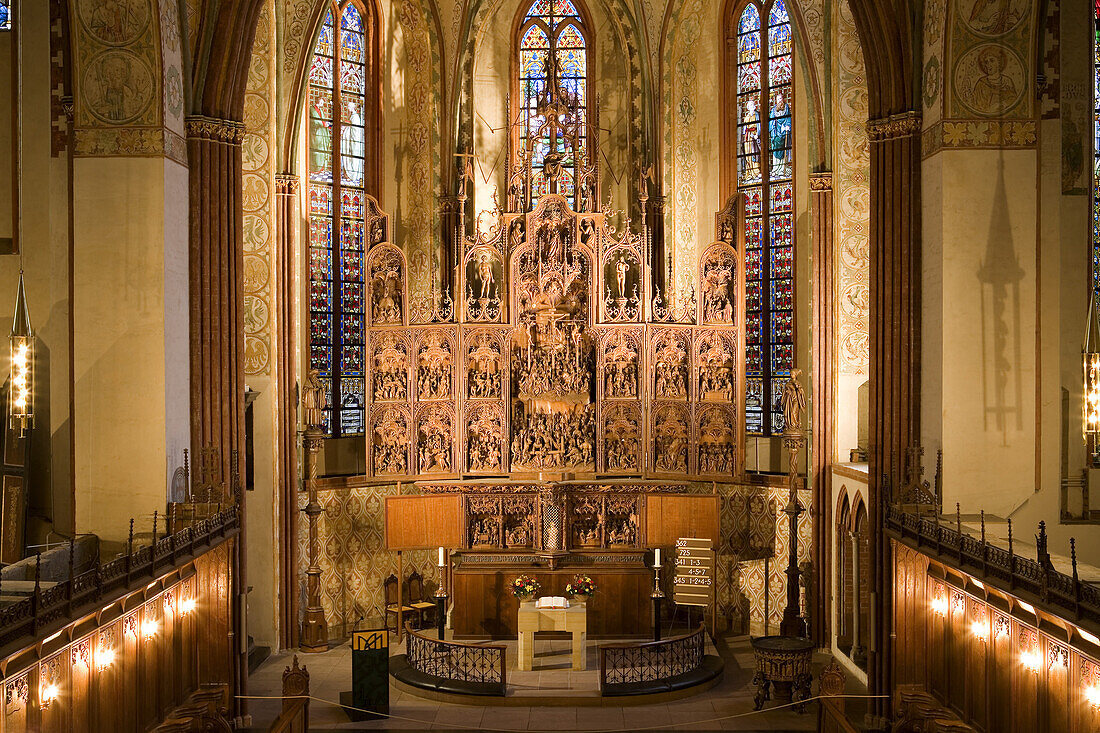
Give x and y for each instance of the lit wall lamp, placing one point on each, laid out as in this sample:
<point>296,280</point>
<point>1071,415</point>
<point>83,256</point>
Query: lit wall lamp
<point>1091,677</point>
<point>21,388</point>
<point>1090,356</point>
<point>104,658</point>
<point>187,606</point>
<point>939,604</point>
<point>149,628</point>
<point>48,694</point>
<point>980,629</point>
<point>1031,660</point>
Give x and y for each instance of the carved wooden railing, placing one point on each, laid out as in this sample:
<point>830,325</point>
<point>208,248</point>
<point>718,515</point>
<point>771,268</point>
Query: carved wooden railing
<point>653,661</point>
<point>485,664</point>
<point>43,609</point>
<point>1033,580</point>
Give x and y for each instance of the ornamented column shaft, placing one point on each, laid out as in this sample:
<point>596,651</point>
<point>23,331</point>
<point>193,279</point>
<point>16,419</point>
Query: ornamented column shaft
<point>794,440</point>
<point>286,230</point>
<point>823,395</point>
<point>216,288</point>
<point>655,220</point>
<point>895,320</point>
<point>314,627</point>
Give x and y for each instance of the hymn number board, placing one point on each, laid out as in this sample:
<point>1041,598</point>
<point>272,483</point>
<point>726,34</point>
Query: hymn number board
<point>694,581</point>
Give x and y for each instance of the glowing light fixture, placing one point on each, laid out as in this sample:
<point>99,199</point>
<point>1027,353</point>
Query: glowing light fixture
<point>1090,357</point>
<point>104,658</point>
<point>980,629</point>
<point>48,694</point>
<point>21,386</point>
<point>939,605</point>
<point>187,606</point>
<point>1092,695</point>
<point>149,628</point>
<point>1031,660</point>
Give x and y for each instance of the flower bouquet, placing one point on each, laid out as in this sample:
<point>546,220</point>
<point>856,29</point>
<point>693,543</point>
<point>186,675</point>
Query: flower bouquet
<point>524,587</point>
<point>581,587</point>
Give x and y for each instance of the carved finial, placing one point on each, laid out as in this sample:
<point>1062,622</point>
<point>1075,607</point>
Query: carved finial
<point>154,528</point>
<point>1010,535</point>
<point>958,519</point>
<point>187,473</point>
<point>983,526</point>
<point>939,479</point>
<point>130,541</point>
<point>1073,556</point>
<point>37,572</point>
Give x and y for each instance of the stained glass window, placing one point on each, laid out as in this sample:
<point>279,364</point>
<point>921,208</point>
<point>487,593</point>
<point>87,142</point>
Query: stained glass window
<point>552,29</point>
<point>337,154</point>
<point>764,176</point>
<point>5,15</point>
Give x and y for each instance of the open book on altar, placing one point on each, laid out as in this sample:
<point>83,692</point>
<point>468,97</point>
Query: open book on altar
<point>552,602</point>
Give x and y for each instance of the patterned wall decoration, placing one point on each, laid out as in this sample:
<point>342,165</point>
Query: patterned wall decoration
<point>681,134</point>
<point>935,15</point>
<point>851,195</point>
<point>172,53</point>
<point>193,10</point>
<point>352,556</point>
<point>751,559</point>
<point>421,150</point>
<point>258,180</point>
<point>988,71</point>
<point>120,98</point>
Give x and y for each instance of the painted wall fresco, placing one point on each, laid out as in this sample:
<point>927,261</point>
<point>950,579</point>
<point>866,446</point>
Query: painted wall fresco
<point>851,196</point>
<point>258,201</point>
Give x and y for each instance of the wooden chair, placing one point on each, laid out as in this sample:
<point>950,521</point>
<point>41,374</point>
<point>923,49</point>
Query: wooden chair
<point>399,614</point>
<point>416,597</point>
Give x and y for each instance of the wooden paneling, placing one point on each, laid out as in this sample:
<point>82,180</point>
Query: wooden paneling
<point>669,517</point>
<point>485,608</point>
<point>424,522</point>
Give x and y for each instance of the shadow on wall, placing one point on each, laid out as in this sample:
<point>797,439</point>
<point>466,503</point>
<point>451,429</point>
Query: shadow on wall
<point>1000,275</point>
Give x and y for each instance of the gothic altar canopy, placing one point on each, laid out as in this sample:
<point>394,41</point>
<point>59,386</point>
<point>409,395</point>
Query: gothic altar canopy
<point>558,355</point>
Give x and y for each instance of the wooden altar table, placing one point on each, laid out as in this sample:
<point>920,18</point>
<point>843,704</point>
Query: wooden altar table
<point>573,620</point>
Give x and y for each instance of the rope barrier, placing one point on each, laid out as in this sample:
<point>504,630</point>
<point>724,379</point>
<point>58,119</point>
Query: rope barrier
<point>696,723</point>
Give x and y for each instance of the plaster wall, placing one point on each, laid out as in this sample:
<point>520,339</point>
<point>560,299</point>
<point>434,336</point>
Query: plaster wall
<point>979,328</point>
<point>130,340</point>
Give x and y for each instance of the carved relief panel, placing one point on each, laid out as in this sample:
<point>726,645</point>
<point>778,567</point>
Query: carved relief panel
<point>435,438</point>
<point>717,441</point>
<point>670,363</point>
<point>519,520</point>
<point>621,449</point>
<point>620,364</point>
<point>484,370</point>
<point>671,439</point>
<point>486,443</point>
<point>484,521</point>
<point>604,520</point>
<point>484,291</point>
<point>387,288</point>
<point>622,292</point>
<point>389,440</point>
<point>715,353</point>
<point>718,284</point>
<point>389,364</point>
<point>435,365</point>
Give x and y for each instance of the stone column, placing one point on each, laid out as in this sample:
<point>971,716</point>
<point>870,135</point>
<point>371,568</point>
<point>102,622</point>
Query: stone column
<point>216,287</point>
<point>822,395</point>
<point>895,312</point>
<point>286,236</point>
<point>314,626</point>
<point>859,654</point>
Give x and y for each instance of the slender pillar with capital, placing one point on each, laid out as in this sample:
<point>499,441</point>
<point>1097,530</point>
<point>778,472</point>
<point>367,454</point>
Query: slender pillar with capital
<point>794,439</point>
<point>441,598</point>
<point>314,626</point>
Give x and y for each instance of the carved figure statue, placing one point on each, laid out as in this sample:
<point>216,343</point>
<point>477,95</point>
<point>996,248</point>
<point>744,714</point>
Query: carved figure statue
<point>621,268</point>
<point>794,403</point>
<point>485,275</point>
<point>314,401</point>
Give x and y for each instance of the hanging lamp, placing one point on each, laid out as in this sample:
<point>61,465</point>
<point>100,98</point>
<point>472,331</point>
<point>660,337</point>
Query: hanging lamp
<point>21,386</point>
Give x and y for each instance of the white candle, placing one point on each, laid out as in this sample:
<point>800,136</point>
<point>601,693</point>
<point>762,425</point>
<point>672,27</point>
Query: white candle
<point>657,558</point>
<point>440,557</point>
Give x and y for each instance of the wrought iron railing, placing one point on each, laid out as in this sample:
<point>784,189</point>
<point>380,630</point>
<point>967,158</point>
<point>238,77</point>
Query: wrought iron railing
<point>651,661</point>
<point>40,612</point>
<point>456,661</point>
<point>1033,580</point>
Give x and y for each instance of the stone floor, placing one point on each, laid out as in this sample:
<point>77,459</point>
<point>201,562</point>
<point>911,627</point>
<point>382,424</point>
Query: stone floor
<point>727,706</point>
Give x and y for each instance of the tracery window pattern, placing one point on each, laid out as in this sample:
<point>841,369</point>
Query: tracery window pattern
<point>337,154</point>
<point>552,29</point>
<point>764,175</point>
